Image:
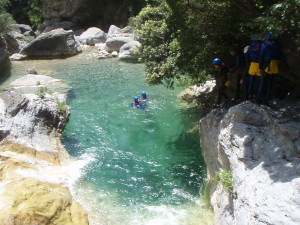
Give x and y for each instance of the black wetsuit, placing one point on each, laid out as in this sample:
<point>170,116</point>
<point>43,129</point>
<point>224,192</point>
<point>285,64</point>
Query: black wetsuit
<point>221,79</point>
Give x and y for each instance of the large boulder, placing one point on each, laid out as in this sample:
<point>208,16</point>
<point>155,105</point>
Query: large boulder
<point>260,147</point>
<point>19,36</point>
<point>204,96</point>
<point>36,202</point>
<point>30,80</point>
<point>130,50</point>
<point>117,37</point>
<point>33,184</point>
<point>52,25</point>
<point>55,43</point>
<point>92,36</point>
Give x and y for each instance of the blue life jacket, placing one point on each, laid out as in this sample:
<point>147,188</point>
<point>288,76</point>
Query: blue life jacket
<point>253,53</point>
<point>270,50</point>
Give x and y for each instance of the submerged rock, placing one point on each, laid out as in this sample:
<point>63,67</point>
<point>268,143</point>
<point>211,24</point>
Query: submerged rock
<point>260,147</point>
<point>55,43</point>
<point>103,54</point>
<point>30,80</point>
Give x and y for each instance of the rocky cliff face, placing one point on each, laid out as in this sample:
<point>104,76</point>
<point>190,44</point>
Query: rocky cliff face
<point>86,12</point>
<point>34,172</point>
<point>261,148</point>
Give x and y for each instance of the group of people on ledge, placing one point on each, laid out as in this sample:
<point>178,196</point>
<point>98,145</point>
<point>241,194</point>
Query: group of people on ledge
<point>255,71</point>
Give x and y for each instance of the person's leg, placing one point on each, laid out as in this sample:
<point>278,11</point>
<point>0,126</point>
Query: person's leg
<point>238,85</point>
<point>245,86</point>
<point>269,86</point>
<point>251,87</point>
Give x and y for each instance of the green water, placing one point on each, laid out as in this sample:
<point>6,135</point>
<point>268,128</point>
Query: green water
<point>140,168</point>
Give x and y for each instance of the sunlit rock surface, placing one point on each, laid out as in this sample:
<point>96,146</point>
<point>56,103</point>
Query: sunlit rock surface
<point>35,170</point>
<point>203,96</point>
<point>54,43</point>
<point>117,37</point>
<point>129,50</point>
<point>92,36</point>
<point>19,36</point>
<point>261,147</point>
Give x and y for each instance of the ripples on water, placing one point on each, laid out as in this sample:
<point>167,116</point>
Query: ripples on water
<point>141,168</point>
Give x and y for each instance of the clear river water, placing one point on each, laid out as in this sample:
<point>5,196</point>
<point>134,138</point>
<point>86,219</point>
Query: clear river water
<point>140,168</point>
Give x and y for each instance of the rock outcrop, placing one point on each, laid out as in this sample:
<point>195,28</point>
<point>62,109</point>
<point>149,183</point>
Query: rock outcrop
<point>117,37</point>
<point>84,13</point>
<point>34,173</point>
<point>92,36</point>
<point>19,36</point>
<point>203,96</point>
<point>55,43</point>
<point>129,50</point>
<point>52,25</point>
<point>261,148</point>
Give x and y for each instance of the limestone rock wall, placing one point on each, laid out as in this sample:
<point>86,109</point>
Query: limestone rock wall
<point>261,148</point>
<point>87,12</point>
<point>34,168</point>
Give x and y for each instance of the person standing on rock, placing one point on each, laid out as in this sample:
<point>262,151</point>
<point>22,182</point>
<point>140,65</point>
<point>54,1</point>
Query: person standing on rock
<point>253,59</point>
<point>270,56</point>
<point>236,70</point>
<point>221,79</point>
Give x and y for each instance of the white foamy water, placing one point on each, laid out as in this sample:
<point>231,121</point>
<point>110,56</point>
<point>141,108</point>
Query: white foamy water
<point>103,210</point>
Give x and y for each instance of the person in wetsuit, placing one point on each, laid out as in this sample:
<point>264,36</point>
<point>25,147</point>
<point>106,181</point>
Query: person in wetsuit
<point>270,56</point>
<point>221,76</point>
<point>253,59</point>
<point>236,70</point>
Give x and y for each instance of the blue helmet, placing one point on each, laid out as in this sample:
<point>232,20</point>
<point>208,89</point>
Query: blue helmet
<point>217,61</point>
<point>136,97</point>
<point>143,93</point>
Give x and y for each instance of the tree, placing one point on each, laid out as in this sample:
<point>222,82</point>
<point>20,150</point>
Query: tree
<point>193,32</point>
<point>5,18</point>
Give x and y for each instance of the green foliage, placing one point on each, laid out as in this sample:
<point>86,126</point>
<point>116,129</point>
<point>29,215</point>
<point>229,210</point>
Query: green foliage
<point>27,12</point>
<point>61,107</point>
<point>5,18</point>
<point>153,32</point>
<point>42,91</point>
<point>281,19</point>
<point>225,178</point>
<point>35,14</point>
<point>180,38</point>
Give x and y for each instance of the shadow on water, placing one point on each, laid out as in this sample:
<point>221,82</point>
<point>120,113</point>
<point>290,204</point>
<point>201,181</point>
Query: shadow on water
<point>186,146</point>
<point>71,96</point>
